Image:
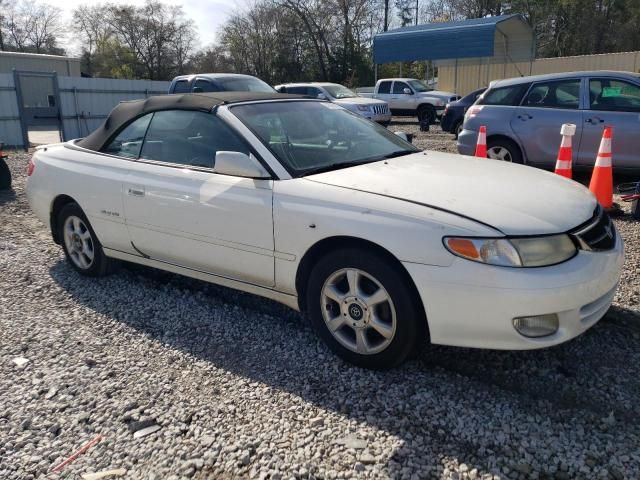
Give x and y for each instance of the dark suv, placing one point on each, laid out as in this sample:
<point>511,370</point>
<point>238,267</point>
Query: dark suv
<point>218,82</point>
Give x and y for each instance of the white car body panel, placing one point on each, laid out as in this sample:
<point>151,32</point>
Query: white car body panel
<point>462,185</point>
<point>191,218</point>
<point>253,234</point>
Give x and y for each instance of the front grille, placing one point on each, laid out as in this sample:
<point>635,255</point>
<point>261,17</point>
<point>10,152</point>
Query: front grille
<point>380,109</point>
<point>597,234</point>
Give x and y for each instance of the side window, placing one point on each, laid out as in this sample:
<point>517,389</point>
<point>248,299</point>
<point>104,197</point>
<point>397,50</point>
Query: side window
<point>297,90</point>
<point>205,86</point>
<point>313,92</point>
<point>384,87</point>
<point>181,86</point>
<point>398,87</point>
<point>190,138</point>
<point>613,95</point>
<point>129,141</point>
<point>510,95</point>
<point>557,94</point>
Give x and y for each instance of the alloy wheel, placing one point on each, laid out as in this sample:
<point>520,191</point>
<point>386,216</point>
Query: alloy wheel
<point>499,153</point>
<point>358,311</point>
<point>77,239</point>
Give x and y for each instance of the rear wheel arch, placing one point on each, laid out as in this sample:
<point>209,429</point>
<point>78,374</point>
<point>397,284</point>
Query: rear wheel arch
<point>327,245</point>
<point>56,207</point>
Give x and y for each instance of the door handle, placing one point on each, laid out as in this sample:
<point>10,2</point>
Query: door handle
<point>594,120</point>
<point>136,192</point>
<point>525,116</point>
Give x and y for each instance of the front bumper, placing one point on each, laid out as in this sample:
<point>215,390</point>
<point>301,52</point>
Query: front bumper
<point>469,304</point>
<point>379,118</point>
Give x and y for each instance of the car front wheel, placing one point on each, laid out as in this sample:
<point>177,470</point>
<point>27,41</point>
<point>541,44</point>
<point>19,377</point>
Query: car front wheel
<point>80,244</point>
<point>362,306</point>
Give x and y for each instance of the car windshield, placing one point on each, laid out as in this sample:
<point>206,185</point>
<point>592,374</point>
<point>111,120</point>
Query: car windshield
<point>339,91</point>
<point>313,136</point>
<point>418,86</point>
<point>243,84</point>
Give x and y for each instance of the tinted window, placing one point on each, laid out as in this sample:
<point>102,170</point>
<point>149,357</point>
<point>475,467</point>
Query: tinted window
<point>181,86</point>
<point>129,141</point>
<point>189,138</point>
<point>504,95</point>
<point>313,91</point>
<point>297,90</point>
<point>614,95</point>
<point>398,87</point>
<point>558,94</point>
<point>384,87</point>
<point>205,85</point>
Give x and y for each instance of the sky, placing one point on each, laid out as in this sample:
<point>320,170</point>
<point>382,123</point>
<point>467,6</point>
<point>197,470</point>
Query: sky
<point>208,15</point>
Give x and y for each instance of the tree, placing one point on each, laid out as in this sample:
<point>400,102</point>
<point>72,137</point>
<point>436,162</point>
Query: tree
<point>28,26</point>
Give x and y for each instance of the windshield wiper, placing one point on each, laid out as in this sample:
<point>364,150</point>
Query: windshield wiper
<point>398,153</point>
<point>332,166</point>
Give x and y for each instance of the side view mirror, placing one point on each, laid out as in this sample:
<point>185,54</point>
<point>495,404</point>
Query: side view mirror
<point>407,137</point>
<point>407,91</point>
<point>238,164</point>
<point>322,96</point>
<point>197,90</point>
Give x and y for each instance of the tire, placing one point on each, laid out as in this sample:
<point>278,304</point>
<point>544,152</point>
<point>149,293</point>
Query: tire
<point>501,145</point>
<point>399,314</point>
<point>457,129</point>
<point>426,113</point>
<point>80,243</point>
<point>5,175</point>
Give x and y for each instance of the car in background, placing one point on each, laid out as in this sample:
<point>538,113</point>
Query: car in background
<point>385,247</point>
<point>523,117</point>
<point>411,97</point>
<point>453,115</point>
<point>218,82</point>
<point>375,110</point>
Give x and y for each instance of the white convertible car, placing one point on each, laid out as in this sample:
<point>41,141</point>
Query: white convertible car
<point>298,200</point>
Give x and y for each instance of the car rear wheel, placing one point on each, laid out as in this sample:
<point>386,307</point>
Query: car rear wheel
<point>457,129</point>
<point>504,150</point>
<point>363,308</point>
<point>427,114</point>
<point>81,246</point>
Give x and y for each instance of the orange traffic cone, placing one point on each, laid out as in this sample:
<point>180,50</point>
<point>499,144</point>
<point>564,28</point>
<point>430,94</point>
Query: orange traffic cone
<point>565,154</point>
<point>481,146</point>
<point>602,178</point>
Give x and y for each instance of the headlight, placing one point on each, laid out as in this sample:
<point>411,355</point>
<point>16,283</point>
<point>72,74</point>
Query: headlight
<point>363,108</point>
<point>514,252</point>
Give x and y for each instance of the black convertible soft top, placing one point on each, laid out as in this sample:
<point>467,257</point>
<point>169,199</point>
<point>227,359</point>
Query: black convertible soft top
<point>124,112</point>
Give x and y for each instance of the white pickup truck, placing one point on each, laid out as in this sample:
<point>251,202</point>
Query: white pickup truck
<point>411,97</point>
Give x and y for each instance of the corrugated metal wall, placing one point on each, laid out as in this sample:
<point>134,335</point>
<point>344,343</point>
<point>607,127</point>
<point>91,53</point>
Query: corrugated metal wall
<point>10,132</point>
<point>86,102</point>
<point>475,74</point>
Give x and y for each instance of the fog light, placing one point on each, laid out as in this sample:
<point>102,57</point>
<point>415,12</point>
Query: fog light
<point>537,325</point>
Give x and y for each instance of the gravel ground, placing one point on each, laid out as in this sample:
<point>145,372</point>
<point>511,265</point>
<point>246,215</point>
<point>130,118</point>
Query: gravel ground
<point>240,387</point>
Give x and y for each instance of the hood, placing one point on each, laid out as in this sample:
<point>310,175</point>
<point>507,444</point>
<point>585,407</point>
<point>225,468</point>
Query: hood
<point>438,94</point>
<point>358,101</point>
<point>515,199</point>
